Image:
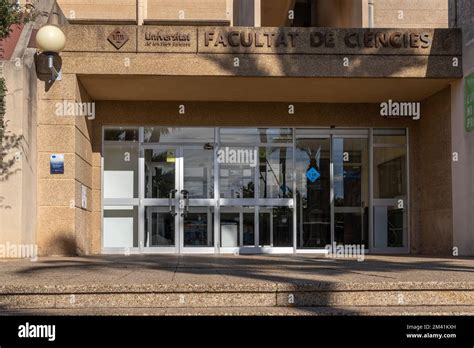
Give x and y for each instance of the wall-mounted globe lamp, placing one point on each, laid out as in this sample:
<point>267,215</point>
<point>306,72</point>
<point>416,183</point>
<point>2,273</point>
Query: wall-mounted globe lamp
<point>51,41</point>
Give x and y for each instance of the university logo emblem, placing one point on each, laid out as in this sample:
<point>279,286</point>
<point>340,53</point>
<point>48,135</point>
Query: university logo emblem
<point>118,38</point>
<point>312,175</point>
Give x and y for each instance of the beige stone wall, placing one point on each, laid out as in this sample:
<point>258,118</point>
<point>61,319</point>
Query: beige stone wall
<point>339,13</point>
<point>411,13</point>
<point>63,225</point>
<point>327,13</point>
<point>99,9</point>
<point>430,177</point>
<point>463,141</point>
<point>138,10</point>
<point>188,9</point>
<point>18,191</point>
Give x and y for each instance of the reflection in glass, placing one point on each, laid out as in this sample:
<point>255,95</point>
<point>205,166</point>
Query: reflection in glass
<point>390,226</point>
<point>198,227</point>
<point>351,192</point>
<point>282,226</point>
<point>390,172</point>
<point>275,135</point>
<point>390,139</point>
<point>199,172</point>
<point>276,226</point>
<point>121,134</point>
<point>249,229</point>
<point>178,135</point>
<point>351,228</point>
<point>159,172</point>
<point>396,222</point>
<point>239,135</point>
<point>256,135</point>
<point>313,192</point>
<point>390,183</point>
<point>390,136</point>
<point>276,172</point>
<point>237,176</point>
<point>265,227</point>
<point>159,227</point>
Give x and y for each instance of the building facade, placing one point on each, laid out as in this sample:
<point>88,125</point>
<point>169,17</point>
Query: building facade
<point>220,126</point>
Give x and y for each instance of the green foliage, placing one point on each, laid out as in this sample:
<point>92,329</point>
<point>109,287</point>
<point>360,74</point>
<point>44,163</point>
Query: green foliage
<point>11,14</point>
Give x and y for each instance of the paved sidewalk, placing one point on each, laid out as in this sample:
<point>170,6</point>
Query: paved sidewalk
<point>237,285</point>
<point>251,311</point>
<point>259,270</point>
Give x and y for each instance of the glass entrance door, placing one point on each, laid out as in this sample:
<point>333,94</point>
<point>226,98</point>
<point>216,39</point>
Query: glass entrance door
<point>161,193</point>
<point>313,168</point>
<point>196,199</point>
<point>179,199</point>
<point>332,189</point>
<point>390,191</point>
<point>227,190</point>
<point>351,190</point>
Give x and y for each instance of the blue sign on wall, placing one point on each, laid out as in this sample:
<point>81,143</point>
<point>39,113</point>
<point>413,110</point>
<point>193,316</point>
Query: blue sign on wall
<point>312,174</point>
<point>56,162</point>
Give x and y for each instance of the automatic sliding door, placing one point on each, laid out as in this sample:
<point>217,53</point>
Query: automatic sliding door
<point>351,190</point>
<point>313,185</point>
<point>332,189</point>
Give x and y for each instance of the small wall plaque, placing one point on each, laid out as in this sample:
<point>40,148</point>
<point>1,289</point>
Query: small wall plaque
<point>56,163</point>
<point>83,197</point>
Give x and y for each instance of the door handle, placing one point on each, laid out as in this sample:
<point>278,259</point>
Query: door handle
<point>172,193</point>
<point>185,194</point>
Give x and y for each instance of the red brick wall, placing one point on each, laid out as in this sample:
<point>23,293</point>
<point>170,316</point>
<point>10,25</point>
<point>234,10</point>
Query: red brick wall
<point>7,46</point>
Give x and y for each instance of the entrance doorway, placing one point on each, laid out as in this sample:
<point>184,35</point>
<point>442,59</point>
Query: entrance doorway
<point>179,198</point>
<point>332,188</point>
<point>253,190</point>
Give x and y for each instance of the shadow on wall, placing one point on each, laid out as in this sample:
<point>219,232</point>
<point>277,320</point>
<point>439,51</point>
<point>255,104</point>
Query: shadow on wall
<point>63,244</point>
<point>9,141</point>
<point>288,66</point>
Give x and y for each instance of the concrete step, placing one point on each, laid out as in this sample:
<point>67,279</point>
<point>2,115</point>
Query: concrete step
<point>250,311</point>
<point>235,295</point>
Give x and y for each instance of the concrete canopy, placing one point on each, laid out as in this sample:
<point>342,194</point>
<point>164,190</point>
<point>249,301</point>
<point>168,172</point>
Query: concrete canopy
<point>253,89</point>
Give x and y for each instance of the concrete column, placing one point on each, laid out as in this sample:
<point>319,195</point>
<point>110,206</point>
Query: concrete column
<point>18,190</point>
<point>230,11</point>
<point>257,14</point>
<point>463,141</point>
<point>368,5</point>
<point>462,173</point>
<point>141,11</point>
<point>63,225</point>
